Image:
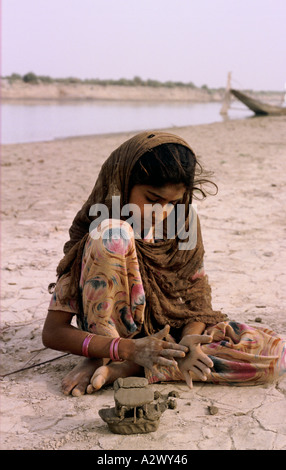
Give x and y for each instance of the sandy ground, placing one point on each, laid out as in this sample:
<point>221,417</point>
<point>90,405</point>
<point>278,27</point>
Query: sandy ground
<point>43,186</point>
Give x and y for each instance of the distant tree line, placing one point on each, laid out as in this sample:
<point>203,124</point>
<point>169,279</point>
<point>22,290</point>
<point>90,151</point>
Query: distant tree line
<point>32,78</point>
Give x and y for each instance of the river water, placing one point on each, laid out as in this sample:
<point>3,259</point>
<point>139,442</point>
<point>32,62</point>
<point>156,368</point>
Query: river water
<point>35,122</point>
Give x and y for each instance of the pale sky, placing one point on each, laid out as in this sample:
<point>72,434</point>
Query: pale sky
<point>197,41</point>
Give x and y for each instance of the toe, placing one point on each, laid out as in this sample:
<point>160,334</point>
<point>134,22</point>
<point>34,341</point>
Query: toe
<point>98,382</point>
<point>67,387</point>
<point>78,391</point>
<point>80,387</point>
<point>90,389</point>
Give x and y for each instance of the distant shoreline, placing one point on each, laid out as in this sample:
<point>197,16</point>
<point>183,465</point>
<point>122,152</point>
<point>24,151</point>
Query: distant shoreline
<point>19,91</point>
<point>80,91</point>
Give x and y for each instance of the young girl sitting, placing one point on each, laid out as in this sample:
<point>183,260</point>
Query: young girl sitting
<point>133,276</point>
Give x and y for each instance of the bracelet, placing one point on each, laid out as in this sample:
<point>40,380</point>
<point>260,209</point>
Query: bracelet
<point>113,349</point>
<point>85,344</point>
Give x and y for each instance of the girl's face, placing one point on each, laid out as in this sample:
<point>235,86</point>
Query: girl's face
<point>145,197</point>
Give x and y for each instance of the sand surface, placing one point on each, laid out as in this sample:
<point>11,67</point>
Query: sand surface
<point>43,186</point>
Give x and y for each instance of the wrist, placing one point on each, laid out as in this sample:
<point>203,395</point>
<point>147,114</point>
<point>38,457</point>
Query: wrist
<point>195,328</point>
<point>126,349</point>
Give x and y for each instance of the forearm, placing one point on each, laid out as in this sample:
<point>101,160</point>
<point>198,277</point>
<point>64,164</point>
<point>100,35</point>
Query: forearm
<point>60,335</point>
<point>195,328</point>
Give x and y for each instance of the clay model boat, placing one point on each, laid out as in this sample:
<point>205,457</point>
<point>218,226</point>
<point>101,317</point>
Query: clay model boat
<point>137,407</point>
<point>258,107</point>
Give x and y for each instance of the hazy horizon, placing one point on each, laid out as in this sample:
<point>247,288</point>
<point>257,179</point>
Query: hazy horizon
<point>196,41</point>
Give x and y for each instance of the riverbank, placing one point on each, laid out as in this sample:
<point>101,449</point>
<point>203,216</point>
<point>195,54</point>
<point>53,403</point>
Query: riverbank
<point>19,90</point>
<point>43,186</point>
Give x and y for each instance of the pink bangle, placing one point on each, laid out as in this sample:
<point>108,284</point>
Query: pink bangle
<point>85,344</point>
<point>113,349</point>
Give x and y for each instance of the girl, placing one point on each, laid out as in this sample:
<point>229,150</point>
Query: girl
<point>142,300</point>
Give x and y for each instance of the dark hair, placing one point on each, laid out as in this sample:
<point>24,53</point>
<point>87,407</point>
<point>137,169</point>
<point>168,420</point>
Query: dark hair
<point>171,163</point>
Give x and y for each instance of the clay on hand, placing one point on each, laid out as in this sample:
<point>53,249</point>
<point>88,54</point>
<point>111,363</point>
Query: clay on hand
<point>152,350</point>
<point>195,362</point>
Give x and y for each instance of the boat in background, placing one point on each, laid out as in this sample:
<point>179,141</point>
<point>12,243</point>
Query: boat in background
<point>257,106</point>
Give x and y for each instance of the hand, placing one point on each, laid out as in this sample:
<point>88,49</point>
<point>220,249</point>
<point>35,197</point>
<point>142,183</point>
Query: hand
<point>196,361</point>
<point>152,350</point>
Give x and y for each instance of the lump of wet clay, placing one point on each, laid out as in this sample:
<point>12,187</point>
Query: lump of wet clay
<point>213,410</point>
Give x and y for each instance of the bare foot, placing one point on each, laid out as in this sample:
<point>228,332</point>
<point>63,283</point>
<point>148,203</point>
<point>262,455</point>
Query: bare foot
<point>107,374</point>
<point>76,382</point>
